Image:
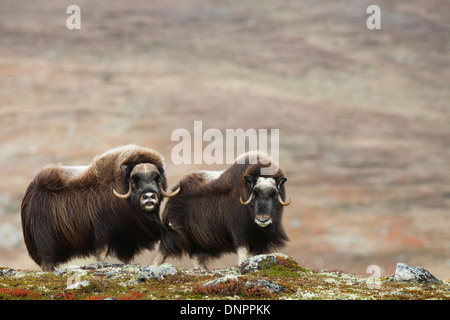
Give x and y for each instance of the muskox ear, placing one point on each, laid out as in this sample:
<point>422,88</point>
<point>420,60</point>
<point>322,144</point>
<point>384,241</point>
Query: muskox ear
<point>126,170</point>
<point>163,177</point>
<point>281,181</point>
<point>250,182</point>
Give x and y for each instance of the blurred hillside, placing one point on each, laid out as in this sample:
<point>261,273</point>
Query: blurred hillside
<point>364,115</point>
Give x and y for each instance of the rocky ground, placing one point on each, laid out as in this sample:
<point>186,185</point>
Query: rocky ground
<point>363,114</point>
<point>273,276</point>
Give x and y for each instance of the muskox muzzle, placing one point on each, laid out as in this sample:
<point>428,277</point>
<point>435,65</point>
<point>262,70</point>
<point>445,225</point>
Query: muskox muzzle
<point>148,201</point>
<point>145,188</point>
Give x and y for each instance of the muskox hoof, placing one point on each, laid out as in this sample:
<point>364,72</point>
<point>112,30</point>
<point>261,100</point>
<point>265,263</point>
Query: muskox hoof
<point>48,268</point>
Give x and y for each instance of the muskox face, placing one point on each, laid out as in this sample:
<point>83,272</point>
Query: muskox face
<point>145,187</point>
<point>265,198</point>
<point>145,181</point>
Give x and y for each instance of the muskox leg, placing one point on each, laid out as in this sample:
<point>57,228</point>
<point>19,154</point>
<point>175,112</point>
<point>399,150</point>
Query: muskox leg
<point>243,254</point>
<point>159,259</point>
<point>47,267</point>
<point>100,254</point>
<point>199,260</point>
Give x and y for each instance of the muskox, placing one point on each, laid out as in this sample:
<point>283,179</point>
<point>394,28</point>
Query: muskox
<point>237,210</point>
<point>108,207</point>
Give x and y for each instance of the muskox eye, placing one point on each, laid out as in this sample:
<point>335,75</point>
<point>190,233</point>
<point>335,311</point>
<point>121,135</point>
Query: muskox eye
<point>134,181</point>
<point>281,182</point>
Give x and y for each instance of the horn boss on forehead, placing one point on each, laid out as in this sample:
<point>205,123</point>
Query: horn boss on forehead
<point>140,169</point>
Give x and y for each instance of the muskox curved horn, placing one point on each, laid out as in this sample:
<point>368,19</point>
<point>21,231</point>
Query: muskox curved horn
<point>123,196</point>
<point>246,202</point>
<point>169,195</point>
<point>284,203</point>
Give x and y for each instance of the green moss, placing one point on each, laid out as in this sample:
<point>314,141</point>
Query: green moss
<point>282,268</point>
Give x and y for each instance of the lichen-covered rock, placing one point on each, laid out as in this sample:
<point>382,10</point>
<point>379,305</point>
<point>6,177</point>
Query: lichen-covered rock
<point>264,261</point>
<point>267,285</point>
<point>106,268</point>
<point>153,272</point>
<point>403,272</point>
<point>78,285</point>
<point>222,280</point>
<point>285,280</point>
<point>7,272</point>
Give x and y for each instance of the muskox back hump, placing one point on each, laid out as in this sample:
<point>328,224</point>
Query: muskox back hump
<point>49,178</point>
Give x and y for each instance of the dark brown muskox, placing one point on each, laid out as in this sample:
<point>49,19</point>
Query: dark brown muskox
<point>209,217</point>
<point>70,212</point>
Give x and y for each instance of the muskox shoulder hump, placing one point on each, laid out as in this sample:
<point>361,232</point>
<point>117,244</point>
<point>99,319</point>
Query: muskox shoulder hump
<point>73,172</point>
<point>50,178</point>
<point>136,154</point>
<point>56,177</point>
<point>209,176</point>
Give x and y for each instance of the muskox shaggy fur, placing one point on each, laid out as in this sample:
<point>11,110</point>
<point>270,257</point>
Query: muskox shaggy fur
<point>209,217</point>
<point>70,212</point>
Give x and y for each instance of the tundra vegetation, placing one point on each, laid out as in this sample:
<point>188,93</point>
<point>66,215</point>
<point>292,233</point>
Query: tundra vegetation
<point>125,282</point>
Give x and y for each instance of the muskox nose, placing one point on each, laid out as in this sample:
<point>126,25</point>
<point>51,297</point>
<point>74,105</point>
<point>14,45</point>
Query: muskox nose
<point>148,201</point>
<point>263,221</point>
<point>148,196</point>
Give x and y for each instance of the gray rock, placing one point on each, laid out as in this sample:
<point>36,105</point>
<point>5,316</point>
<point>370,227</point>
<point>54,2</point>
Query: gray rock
<point>404,272</point>
<point>112,269</point>
<point>59,272</point>
<point>267,285</point>
<point>7,272</point>
<point>103,265</point>
<point>221,280</point>
<point>262,261</point>
<point>106,268</point>
<point>78,285</point>
<point>153,272</point>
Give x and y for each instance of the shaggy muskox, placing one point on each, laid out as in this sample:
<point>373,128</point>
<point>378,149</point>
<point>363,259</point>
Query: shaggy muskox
<point>72,212</point>
<point>209,217</point>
